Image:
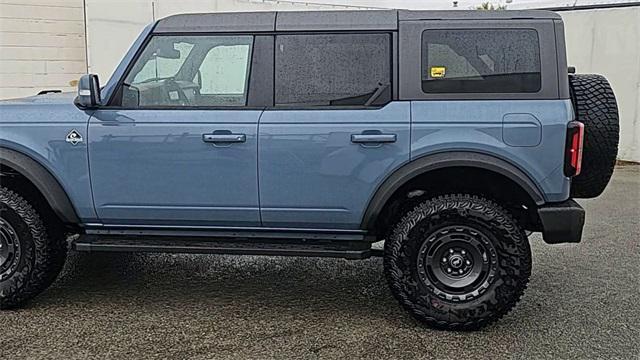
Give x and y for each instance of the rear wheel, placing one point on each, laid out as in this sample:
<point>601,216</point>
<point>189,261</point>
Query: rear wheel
<point>595,106</point>
<point>457,262</point>
<point>30,259</point>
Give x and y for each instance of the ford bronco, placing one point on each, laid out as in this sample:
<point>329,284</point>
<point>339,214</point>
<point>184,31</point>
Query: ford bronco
<point>450,135</point>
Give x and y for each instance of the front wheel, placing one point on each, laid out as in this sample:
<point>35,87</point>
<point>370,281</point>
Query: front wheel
<point>457,262</point>
<point>30,258</point>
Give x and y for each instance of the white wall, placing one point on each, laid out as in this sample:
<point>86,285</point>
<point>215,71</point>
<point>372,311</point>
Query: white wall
<point>112,26</point>
<point>42,46</point>
<point>607,42</point>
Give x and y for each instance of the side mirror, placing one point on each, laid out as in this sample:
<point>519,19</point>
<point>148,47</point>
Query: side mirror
<point>88,92</point>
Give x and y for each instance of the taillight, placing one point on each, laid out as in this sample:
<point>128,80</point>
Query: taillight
<point>573,155</point>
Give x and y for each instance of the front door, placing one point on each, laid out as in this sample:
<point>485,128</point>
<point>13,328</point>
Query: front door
<point>178,143</point>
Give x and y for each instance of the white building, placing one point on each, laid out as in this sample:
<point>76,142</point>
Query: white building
<point>48,44</point>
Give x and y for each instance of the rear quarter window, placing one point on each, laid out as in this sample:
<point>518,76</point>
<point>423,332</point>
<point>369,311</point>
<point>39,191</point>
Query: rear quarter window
<point>480,61</point>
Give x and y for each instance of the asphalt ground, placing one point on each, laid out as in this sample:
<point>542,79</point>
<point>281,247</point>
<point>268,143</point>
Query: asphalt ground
<point>583,302</point>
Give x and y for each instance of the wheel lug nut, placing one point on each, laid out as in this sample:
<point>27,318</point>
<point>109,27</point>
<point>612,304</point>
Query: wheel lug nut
<point>444,259</point>
<point>448,270</point>
<point>463,252</point>
<point>450,251</point>
<point>468,262</point>
<point>460,271</point>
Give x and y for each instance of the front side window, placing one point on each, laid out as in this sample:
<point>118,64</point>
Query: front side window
<point>480,61</point>
<point>333,70</point>
<point>190,71</point>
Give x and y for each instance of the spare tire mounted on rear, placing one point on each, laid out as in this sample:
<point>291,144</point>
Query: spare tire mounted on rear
<point>595,106</point>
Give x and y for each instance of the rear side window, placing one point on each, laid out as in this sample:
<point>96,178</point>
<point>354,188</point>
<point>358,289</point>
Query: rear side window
<point>333,70</point>
<point>481,61</point>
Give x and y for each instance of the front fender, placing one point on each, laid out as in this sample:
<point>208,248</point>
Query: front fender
<point>48,186</point>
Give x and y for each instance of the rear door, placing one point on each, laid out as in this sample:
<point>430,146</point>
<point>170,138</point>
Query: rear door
<point>334,132</point>
<point>178,146</point>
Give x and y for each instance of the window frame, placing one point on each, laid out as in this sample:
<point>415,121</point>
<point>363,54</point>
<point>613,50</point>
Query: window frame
<point>256,51</point>
<point>392,38</point>
<point>410,58</point>
<point>425,61</point>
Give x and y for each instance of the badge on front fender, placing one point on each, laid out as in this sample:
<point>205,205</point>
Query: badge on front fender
<point>74,137</point>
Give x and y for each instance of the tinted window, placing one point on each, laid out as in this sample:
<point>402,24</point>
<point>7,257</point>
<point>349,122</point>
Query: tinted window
<point>480,61</point>
<point>333,69</point>
<point>190,71</point>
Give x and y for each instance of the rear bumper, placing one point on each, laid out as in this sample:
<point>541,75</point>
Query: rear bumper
<point>562,222</point>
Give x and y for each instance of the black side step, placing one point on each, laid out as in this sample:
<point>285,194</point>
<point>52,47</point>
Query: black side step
<point>200,245</point>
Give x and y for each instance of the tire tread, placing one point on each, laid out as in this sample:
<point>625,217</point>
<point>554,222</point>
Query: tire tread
<point>42,264</point>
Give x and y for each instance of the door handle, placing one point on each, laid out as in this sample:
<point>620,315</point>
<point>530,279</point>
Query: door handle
<point>373,138</point>
<point>224,138</point>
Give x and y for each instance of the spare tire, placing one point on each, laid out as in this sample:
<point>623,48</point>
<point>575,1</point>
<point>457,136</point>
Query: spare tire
<point>595,106</point>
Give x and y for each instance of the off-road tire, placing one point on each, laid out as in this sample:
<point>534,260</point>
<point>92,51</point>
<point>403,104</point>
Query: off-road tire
<point>595,106</point>
<point>496,297</point>
<point>40,258</point>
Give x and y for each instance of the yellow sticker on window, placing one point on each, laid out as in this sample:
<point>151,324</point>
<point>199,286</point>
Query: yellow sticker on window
<point>438,71</point>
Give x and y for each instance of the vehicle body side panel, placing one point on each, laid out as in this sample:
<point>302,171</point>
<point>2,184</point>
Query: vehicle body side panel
<point>311,175</point>
<point>37,127</point>
<point>479,126</point>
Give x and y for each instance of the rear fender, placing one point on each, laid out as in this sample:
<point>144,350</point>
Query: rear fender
<point>443,160</point>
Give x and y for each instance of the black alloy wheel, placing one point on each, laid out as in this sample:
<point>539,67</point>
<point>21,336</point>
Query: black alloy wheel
<point>9,249</point>
<point>458,262</point>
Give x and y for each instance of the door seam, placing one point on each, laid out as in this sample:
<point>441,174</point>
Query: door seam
<point>258,166</point>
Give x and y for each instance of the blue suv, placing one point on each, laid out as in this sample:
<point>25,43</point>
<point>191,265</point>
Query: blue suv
<point>450,135</point>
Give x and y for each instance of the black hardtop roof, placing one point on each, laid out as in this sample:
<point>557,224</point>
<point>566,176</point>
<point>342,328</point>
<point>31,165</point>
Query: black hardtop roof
<point>327,20</point>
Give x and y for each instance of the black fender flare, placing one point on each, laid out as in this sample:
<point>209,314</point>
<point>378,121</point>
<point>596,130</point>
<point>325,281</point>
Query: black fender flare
<point>39,176</point>
<point>432,162</point>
